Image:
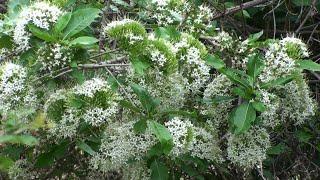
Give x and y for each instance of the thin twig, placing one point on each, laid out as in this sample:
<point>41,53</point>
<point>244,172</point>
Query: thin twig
<point>243,6</point>
<point>312,6</point>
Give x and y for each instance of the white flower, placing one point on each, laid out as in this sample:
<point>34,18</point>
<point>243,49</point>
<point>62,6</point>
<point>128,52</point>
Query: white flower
<point>196,141</point>
<point>41,14</point>
<point>158,57</point>
<point>90,87</point>
<point>121,144</point>
<point>67,126</point>
<point>114,24</point>
<point>297,105</point>
<point>14,90</point>
<point>97,116</point>
<point>54,56</point>
<point>248,149</point>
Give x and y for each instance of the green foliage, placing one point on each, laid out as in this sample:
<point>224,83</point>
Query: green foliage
<point>79,20</point>
<point>243,117</point>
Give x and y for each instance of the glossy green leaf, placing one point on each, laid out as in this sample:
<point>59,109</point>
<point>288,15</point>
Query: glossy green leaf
<point>19,139</point>
<point>243,117</point>
<point>85,147</point>
<point>308,65</point>
<point>80,19</point>
<point>254,66</point>
<point>159,171</point>
<point>140,126</point>
<point>148,103</point>
<point>140,66</point>
<point>129,105</point>
<point>259,106</point>
<point>84,40</point>
<point>255,36</point>
<point>163,135</point>
<point>40,33</point>
<point>62,22</point>
<point>215,61</point>
<point>277,82</point>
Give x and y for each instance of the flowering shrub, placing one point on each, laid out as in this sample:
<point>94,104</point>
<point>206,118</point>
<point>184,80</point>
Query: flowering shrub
<point>174,99</point>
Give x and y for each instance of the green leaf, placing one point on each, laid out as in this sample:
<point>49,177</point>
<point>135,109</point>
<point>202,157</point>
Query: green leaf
<point>76,102</point>
<point>80,19</point>
<point>278,149</point>
<point>255,36</point>
<point>303,136</point>
<point>44,160</point>
<point>148,103</point>
<point>163,135</point>
<point>84,40</point>
<point>242,93</point>
<point>243,117</point>
<point>180,113</point>
<point>19,139</point>
<point>259,106</point>
<point>159,171</point>
<point>129,105</point>
<point>254,66</point>
<point>167,33</point>
<point>140,66</point>
<point>78,75</point>
<point>277,82</point>
<point>62,22</point>
<point>6,41</point>
<point>215,61</point>
<point>41,34</point>
<point>308,65</point>
<point>235,77</point>
<point>85,147</point>
<point>5,163</point>
<point>302,2</point>
<point>140,126</point>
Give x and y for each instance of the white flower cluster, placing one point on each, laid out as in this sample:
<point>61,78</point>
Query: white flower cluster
<point>3,53</point>
<point>14,90</point>
<point>158,57</point>
<point>277,63</point>
<point>297,105</point>
<point>188,138</point>
<point>53,57</point>
<point>218,88</point>
<point>295,44</point>
<point>67,126</point>
<point>119,23</point>
<point>120,145</point>
<point>224,40</point>
<point>41,14</point>
<point>198,69</point>
<point>97,116</point>
<point>90,87</point>
<point>193,66</point>
<point>169,89</point>
<point>197,19</point>
<point>281,56</point>
<point>270,117</point>
<point>137,170</point>
<point>99,109</point>
<point>248,149</point>
<point>200,19</point>
<point>133,38</point>
<point>21,169</point>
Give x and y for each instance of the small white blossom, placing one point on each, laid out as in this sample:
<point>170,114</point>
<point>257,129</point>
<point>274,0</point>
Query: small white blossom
<point>41,14</point>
